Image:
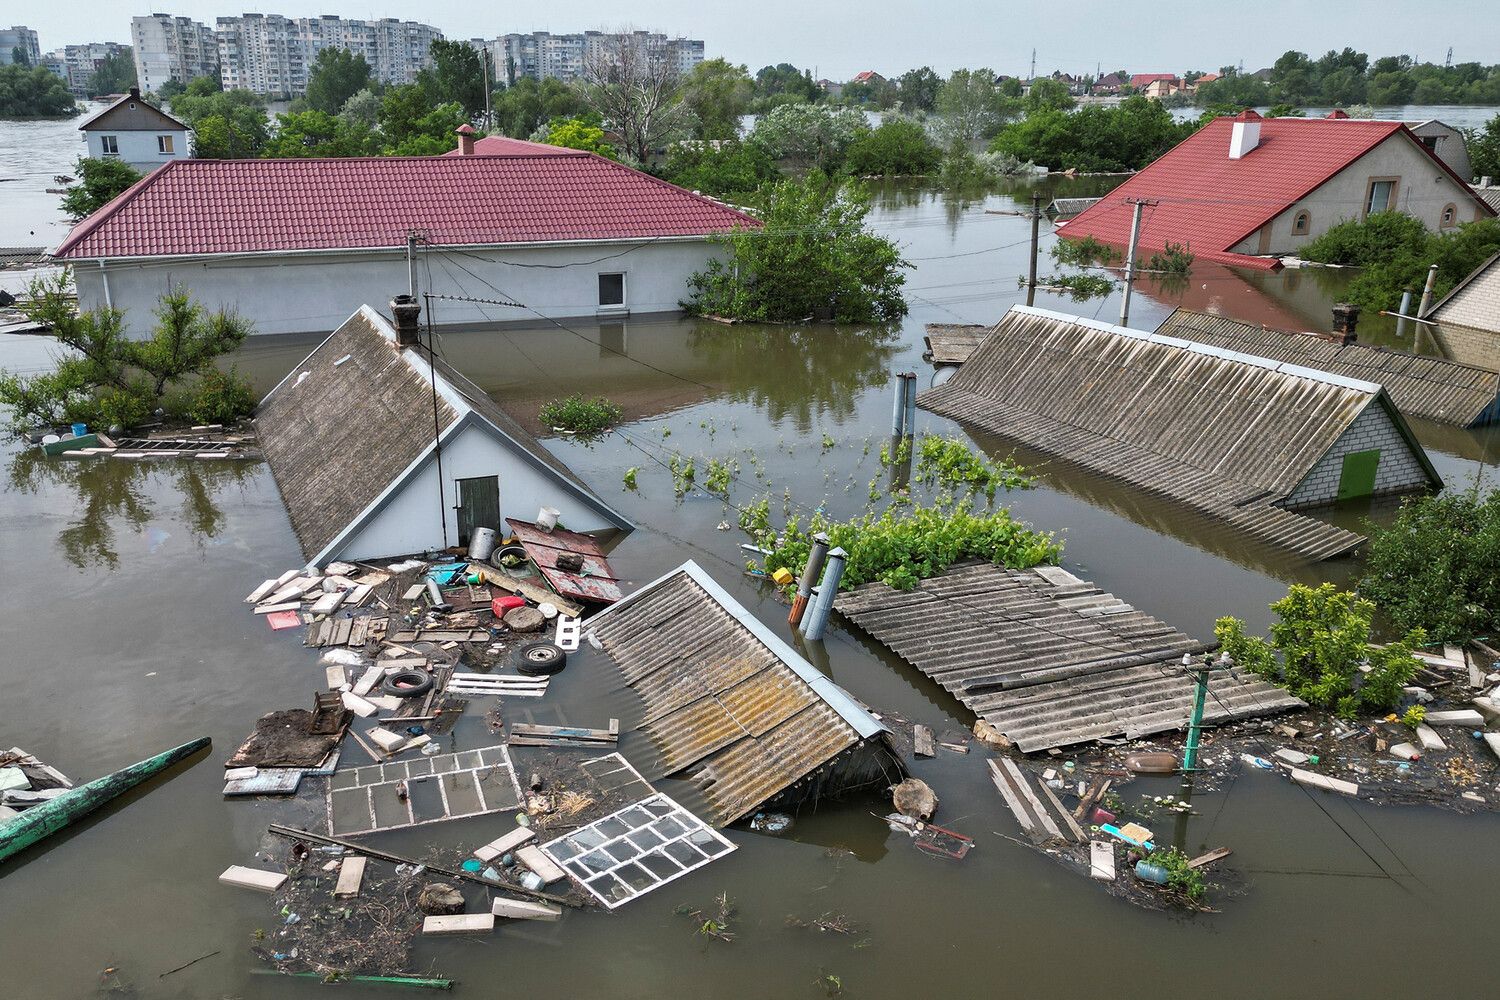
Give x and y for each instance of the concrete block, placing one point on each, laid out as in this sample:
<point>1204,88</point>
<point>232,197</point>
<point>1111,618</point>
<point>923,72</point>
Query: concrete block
<point>533,858</point>
<point>252,878</point>
<point>460,923</point>
<point>502,846</point>
<point>522,909</point>
<point>351,874</point>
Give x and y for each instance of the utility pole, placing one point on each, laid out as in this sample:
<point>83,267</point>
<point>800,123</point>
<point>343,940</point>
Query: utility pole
<point>1036,223</point>
<point>1033,66</point>
<point>484,65</point>
<point>1427,291</point>
<point>1200,693</point>
<point>411,263</point>
<point>1135,237</point>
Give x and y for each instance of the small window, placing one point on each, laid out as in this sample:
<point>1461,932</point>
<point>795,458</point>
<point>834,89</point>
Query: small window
<point>612,289</point>
<point>1449,216</point>
<point>164,145</point>
<point>109,145</point>
<point>1381,194</point>
<point>1301,222</point>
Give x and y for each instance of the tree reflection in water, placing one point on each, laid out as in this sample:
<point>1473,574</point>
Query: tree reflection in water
<point>111,493</point>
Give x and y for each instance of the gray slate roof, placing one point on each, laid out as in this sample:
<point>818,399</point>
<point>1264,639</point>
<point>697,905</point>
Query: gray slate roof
<point>1421,385</point>
<point>728,704</point>
<point>1048,659</point>
<point>131,113</point>
<point>1228,435</point>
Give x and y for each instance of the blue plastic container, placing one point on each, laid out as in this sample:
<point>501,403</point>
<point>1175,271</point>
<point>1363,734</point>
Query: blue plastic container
<point>1150,872</point>
<point>79,430</point>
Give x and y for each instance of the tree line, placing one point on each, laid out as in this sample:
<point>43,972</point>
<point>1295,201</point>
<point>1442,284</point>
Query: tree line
<point>28,91</point>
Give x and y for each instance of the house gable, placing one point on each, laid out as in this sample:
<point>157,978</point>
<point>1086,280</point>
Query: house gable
<point>1402,466</point>
<point>131,113</point>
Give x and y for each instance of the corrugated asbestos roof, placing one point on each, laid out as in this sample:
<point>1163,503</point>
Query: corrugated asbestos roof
<point>1050,660</point>
<point>1421,385</point>
<point>354,415</point>
<point>193,207</point>
<point>1227,434</point>
<point>728,705</point>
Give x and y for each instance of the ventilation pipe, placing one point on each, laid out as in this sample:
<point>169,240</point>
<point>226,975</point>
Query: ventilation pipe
<point>1245,135</point>
<point>817,616</point>
<point>815,557</point>
<point>405,309</point>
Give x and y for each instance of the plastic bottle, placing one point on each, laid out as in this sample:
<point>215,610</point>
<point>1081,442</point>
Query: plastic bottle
<point>1144,869</point>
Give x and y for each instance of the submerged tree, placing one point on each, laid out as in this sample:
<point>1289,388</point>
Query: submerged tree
<point>99,183</point>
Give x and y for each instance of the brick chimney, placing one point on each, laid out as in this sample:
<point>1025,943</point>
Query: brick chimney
<point>135,93</point>
<point>1246,134</point>
<point>405,310</point>
<point>1336,113</point>
<point>465,140</point>
<point>1345,319</point>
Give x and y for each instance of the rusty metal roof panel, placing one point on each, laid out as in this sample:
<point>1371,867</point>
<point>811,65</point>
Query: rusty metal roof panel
<point>1049,659</point>
<point>728,703</point>
<point>596,581</point>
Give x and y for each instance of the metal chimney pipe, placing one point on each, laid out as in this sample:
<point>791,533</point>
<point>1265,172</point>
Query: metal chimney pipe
<point>1427,292</point>
<point>909,386</point>
<point>898,412</point>
<point>817,620</point>
<point>815,557</point>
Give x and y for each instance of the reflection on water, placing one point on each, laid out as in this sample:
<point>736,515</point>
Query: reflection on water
<point>113,494</point>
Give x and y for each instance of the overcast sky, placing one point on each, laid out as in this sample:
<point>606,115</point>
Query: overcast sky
<point>890,36</point>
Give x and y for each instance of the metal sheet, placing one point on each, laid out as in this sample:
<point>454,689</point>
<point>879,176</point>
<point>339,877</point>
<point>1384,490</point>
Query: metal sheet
<point>596,582</point>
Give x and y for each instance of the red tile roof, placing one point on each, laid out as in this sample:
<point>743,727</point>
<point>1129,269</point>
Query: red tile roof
<point>499,145</point>
<point>245,206</point>
<point>1210,202</point>
<point>1139,80</point>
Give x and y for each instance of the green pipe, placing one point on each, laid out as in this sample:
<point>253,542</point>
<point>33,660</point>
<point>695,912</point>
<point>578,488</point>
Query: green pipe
<point>46,818</point>
<point>424,983</point>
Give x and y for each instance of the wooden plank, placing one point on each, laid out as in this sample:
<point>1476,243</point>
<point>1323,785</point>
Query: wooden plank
<point>1012,799</point>
<point>533,593</point>
<point>341,629</point>
<point>260,592</point>
<point>501,846</point>
<point>266,609</point>
<point>359,632</point>
<point>351,874</point>
<point>1102,860</point>
<point>368,680</point>
<point>532,857</point>
<point>522,909</point>
<point>570,732</point>
<point>252,878</point>
<point>1209,858</point>
<point>1023,785</point>
<point>922,738</point>
<point>460,923</point>
<point>328,603</point>
<point>1324,782</point>
<point>1430,739</point>
<point>1067,816</point>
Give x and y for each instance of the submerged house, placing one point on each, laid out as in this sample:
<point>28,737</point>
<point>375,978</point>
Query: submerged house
<point>135,131</point>
<point>1421,385</point>
<point>1238,438</point>
<point>1245,190</point>
<point>731,708</point>
<point>295,246</point>
<point>1468,319</point>
<point>379,448</point>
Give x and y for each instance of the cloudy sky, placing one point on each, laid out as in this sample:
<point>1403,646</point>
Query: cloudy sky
<point>889,36</point>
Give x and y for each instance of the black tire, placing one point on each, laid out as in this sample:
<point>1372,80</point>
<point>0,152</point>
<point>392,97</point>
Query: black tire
<point>536,658</point>
<point>407,683</point>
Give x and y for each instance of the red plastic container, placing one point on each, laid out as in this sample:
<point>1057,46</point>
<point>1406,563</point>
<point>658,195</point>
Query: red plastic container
<point>500,605</point>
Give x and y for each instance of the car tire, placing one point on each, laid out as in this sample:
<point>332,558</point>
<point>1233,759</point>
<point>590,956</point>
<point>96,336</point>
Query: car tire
<point>536,658</point>
<point>407,683</point>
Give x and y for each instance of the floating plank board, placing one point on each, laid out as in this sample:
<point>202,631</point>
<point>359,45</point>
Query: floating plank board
<point>351,874</point>
<point>1209,858</point>
<point>328,603</point>
<point>252,878</point>
<point>271,609</point>
<point>443,635</point>
<point>1492,740</point>
<point>1324,782</point>
<point>610,735</point>
<point>443,787</point>
<point>1429,738</point>
<point>1016,788</point>
<point>525,909</point>
<point>658,840</point>
<point>261,591</point>
<point>502,846</point>
<point>266,781</point>
<point>530,591</point>
<point>1466,717</point>
<point>459,923</point>
<point>368,679</point>
<point>385,739</point>
<point>533,857</point>
<point>1102,860</point>
<point>922,740</point>
<point>358,705</point>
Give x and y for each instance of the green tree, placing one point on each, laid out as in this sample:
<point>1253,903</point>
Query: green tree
<point>808,135</point>
<point>878,94</point>
<point>1293,79</point>
<point>899,147</point>
<point>1437,566</point>
<point>410,128</point>
<point>362,110</point>
<point>1048,95</point>
<point>99,182</point>
<point>718,93</point>
<point>813,256</point>
<point>34,92</point>
<point>638,91</point>
<point>457,75</point>
<point>1319,642</point>
<point>729,169</point>
<point>782,84</point>
<point>228,124</point>
<point>970,106</point>
<point>336,75</point>
<point>1094,138</point>
<point>115,74</point>
<point>317,133</point>
<point>523,108</point>
<point>1394,252</point>
<point>918,89</point>
<point>1233,90</point>
<point>577,133</point>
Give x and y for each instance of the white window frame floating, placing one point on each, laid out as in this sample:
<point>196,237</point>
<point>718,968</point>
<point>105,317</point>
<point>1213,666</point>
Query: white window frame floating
<point>637,849</point>
<point>460,778</point>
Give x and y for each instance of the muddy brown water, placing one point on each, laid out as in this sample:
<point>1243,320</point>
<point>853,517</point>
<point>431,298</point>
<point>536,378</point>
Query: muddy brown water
<point>124,632</point>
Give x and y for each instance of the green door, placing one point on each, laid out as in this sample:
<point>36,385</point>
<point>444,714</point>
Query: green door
<point>1358,477</point>
<point>478,506</point>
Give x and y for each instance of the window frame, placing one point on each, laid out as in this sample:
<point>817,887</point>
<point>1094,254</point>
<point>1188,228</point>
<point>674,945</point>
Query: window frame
<point>166,145</point>
<point>1390,198</point>
<point>105,144</point>
<point>1301,222</point>
<point>1448,217</point>
<point>624,290</point>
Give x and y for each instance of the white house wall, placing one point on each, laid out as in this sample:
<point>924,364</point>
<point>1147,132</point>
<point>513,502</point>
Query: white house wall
<point>1424,190</point>
<point>290,293</point>
<point>139,149</point>
<point>409,521</point>
<point>1399,470</point>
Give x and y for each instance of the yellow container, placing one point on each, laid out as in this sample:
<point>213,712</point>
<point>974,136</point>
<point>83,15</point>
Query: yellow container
<point>782,576</point>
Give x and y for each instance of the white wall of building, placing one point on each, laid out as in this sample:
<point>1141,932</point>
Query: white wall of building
<point>1399,470</point>
<point>1423,191</point>
<point>409,520</point>
<point>305,293</point>
<point>142,150</point>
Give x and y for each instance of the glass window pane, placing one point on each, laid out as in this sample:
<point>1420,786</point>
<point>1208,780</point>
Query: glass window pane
<point>611,289</point>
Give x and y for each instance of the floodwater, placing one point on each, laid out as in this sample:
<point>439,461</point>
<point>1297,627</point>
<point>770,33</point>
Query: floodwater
<point>124,632</point>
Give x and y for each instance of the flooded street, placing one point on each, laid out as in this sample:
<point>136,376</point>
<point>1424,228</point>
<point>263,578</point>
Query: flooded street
<point>125,632</point>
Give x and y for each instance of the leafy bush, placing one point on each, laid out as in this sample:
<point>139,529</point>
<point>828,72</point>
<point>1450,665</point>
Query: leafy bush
<point>1321,639</point>
<point>949,462</point>
<point>1360,243</point>
<point>899,147</point>
<point>1395,252</point>
<point>1188,881</point>
<point>579,415</point>
<point>1174,258</point>
<point>901,548</point>
<point>579,133</point>
<point>808,135</point>
<point>221,397</point>
<point>1414,716</point>
<point>1094,138</point>
<point>813,257</point>
<point>1437,567</point>
<point>1084,252</point>
<point>732,169</point>
<point>99,182</point>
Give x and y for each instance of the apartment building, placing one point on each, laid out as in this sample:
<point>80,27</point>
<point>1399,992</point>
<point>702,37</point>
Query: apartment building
<point>19,39</point>
<point>271,54</point>
<point>172,48</point>
<point>78,63</point>
<point>542,55</point>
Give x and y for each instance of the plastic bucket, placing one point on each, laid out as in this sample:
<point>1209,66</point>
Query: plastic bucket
<point>546,518</point>
<point>482,544</point>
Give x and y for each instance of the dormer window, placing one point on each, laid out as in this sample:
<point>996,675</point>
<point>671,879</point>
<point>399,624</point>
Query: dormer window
<point>1301,223</point>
